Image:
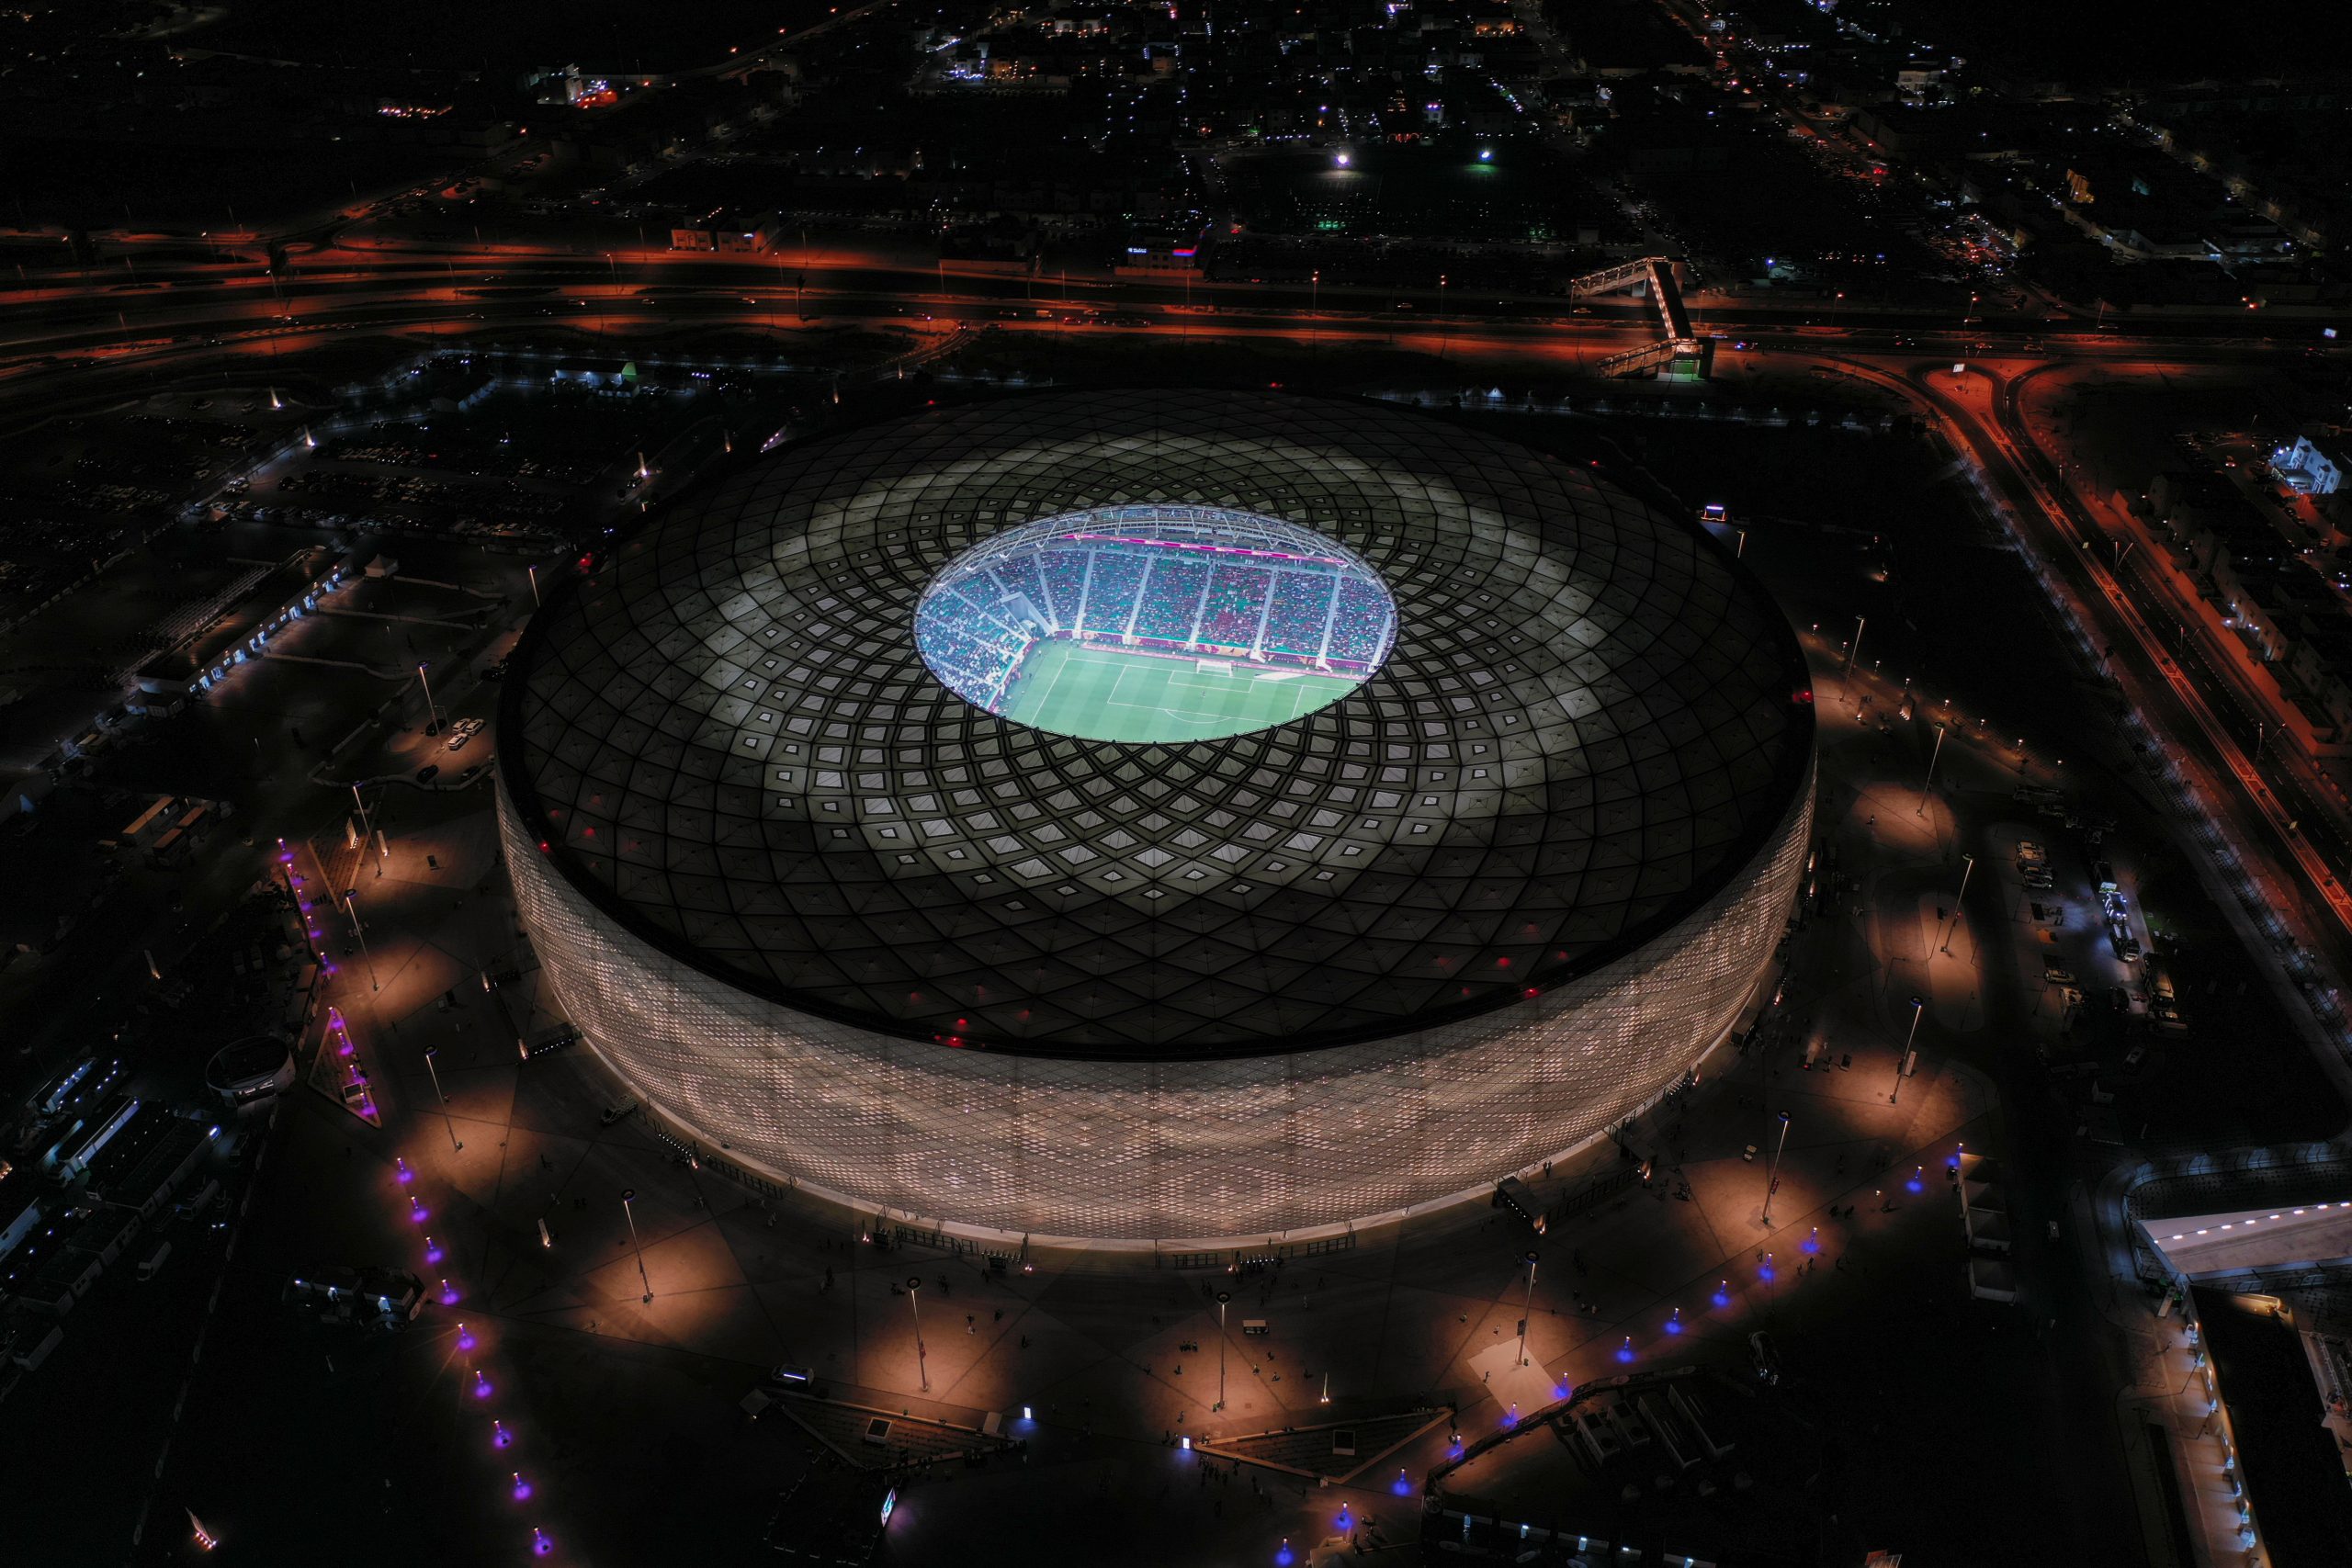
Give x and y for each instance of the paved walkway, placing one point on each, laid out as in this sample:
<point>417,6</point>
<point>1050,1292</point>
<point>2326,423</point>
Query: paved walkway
<point>1117,1359</point>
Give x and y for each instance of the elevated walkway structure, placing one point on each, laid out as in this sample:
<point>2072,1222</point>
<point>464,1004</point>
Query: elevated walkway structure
<point>1679,351</point>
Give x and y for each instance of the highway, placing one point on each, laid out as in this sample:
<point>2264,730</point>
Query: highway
<point>2263,825</point>
<point>76,339</point>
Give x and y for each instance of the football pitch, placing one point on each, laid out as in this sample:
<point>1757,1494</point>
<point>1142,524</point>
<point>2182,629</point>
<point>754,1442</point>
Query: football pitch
<point>1100,695</point>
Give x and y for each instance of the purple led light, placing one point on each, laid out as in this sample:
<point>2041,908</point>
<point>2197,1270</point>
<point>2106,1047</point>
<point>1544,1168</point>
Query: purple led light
<point>500,1438</point>
<point>522,1487</point>
<point>1625,1352</point>
<point>481,1385</point>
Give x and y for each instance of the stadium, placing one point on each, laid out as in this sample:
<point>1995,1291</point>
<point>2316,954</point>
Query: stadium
<point>1156,817</point>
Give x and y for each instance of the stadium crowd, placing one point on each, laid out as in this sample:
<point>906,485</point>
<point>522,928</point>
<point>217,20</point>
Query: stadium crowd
<point>975,628</point>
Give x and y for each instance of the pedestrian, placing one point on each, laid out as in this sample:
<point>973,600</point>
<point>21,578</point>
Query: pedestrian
<point>1000,1313</point>
<point>971,1323</point>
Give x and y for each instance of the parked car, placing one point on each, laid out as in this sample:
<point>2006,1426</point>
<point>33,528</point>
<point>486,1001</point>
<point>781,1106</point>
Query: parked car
<point>427,774</point>
<point>1766,1357</point>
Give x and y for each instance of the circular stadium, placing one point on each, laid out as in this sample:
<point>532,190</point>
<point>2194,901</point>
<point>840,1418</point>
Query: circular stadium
<point>1159,815</point>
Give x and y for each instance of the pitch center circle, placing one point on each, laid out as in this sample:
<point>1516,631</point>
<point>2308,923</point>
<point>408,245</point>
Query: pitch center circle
<point>1155,623</point>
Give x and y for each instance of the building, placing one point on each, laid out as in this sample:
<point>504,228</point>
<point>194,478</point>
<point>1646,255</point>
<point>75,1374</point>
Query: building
<point>60,1261</point>
<point>249,1071</point>
<point>75,1085</point>
<point>722,232</point>
<point>237,623</point>
<point>2311,466</point>
<point>143,1164</point>
<point>20,1206</point>
<point>1508,889</point>
<point>88,1136</point>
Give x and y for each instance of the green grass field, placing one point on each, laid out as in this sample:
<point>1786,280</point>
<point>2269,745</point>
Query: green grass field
<point>1100,695</point>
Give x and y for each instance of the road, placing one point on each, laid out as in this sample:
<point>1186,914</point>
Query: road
<point>59,349</point>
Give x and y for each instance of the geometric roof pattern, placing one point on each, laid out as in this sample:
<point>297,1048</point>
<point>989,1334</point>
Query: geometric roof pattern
<point>1591,719</point>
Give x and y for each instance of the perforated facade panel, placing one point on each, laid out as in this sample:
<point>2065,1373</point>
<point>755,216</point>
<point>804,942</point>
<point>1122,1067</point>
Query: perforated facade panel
<point>1126,1149</point>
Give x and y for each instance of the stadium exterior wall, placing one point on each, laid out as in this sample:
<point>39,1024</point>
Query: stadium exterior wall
<point>1167,1151</point>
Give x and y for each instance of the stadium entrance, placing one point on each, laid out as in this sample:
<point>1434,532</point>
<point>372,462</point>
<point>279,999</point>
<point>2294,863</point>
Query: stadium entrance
<point>1156,622</point>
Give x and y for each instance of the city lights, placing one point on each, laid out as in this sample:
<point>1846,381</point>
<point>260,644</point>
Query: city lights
<point>1132,793</point>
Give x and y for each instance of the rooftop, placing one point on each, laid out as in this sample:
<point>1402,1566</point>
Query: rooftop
<point>1590,720</point>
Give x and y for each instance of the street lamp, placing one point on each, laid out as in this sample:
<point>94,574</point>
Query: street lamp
<point>1903,1060</point>
<point>432,714</point>
<point>430,1052</point>
<point>1772,1171</point>
<point>361,932</point>
<point>1921,809</point>
<point>1445,323</point>
<point>1957,914</point>
<point>534,570</point>
<point>922,1367</point>
<point>1846,677</point>
<point>628,1199</point>
<point>1314,310</point>
<point>1527,1311</point>
<point>1222,1297</point>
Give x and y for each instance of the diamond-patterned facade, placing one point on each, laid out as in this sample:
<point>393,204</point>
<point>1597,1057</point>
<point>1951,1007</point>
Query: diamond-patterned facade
<point>1584,759</point>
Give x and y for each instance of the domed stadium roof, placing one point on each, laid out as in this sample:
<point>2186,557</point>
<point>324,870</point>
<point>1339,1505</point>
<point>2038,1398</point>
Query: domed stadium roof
<point>1590,720</point>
